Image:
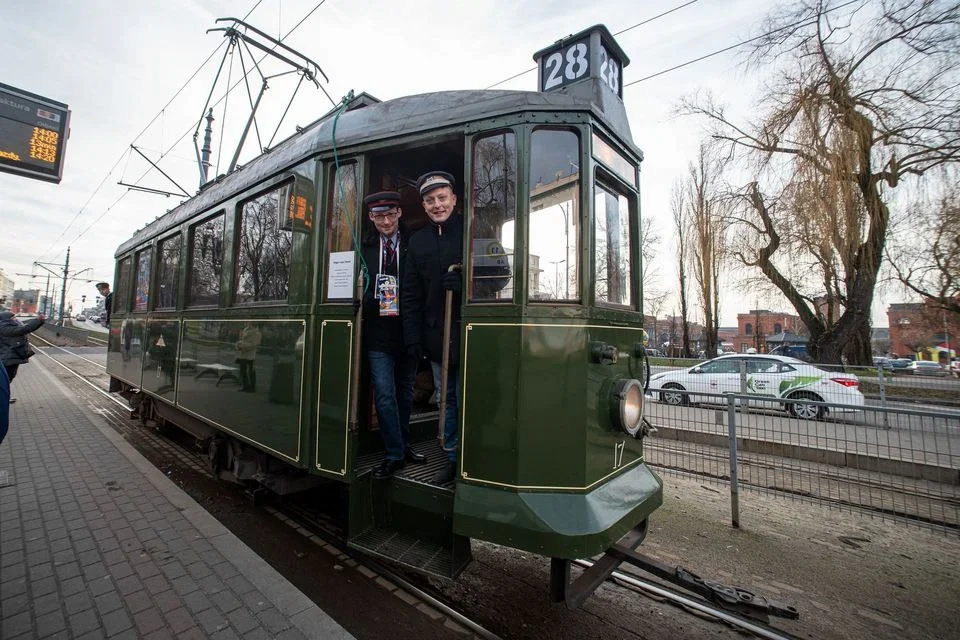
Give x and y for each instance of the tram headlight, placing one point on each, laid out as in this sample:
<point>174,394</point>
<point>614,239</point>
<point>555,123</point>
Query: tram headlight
<point>626,400</point>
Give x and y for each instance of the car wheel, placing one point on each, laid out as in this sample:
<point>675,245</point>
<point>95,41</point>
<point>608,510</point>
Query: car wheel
<point>804,410</point>
<point>671,395</point>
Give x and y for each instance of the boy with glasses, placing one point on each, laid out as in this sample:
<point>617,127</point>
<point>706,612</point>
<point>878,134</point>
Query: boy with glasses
<point>392,371</point>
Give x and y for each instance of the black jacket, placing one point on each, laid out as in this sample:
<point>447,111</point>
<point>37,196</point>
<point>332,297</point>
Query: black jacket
<point>13,344</point>
<point>382,333</point>
<point>431,252</point>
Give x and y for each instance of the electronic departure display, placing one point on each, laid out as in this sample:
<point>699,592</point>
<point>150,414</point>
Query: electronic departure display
<point>33,134</point>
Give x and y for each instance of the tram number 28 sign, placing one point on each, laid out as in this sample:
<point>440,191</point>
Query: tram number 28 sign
<point>574,61</point>
<point>33,134</point>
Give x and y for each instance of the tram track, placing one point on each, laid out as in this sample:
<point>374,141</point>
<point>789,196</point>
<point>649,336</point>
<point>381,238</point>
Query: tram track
<point>327,536</point>
<point>118,414</point>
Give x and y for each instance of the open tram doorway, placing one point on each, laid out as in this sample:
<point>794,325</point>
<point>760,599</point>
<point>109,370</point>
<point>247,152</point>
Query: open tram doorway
<point>397,169</point>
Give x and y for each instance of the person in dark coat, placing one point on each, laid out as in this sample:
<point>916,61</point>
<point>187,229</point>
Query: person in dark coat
<point>14,348</point>
<point>427,278</point>
<point>392,371</point>
<point>104,289</point>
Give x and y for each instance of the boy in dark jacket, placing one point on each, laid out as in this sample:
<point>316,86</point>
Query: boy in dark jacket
<point>392,370</point>
<point>427,278</point>
<point>14,351</point>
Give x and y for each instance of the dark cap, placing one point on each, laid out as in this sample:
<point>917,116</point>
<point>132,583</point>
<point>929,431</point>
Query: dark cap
<point>434,179</point>
<point>382,201</point>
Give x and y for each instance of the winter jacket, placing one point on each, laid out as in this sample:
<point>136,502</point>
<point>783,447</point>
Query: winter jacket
<point>13,342</point>
<point>383,333</point>
<point>249,341</point>
<point>431,251</point>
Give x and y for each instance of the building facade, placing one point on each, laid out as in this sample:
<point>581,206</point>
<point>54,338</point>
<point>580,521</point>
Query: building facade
<point>754,327</point>
<point>25,301</point>
<point>6,291</point>
<point>922,330</point>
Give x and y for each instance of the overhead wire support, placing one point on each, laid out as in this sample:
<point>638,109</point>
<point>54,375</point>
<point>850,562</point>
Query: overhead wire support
<point>164,173</point>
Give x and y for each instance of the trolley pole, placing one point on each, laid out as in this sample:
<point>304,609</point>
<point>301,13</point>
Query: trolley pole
<point>734,486</point>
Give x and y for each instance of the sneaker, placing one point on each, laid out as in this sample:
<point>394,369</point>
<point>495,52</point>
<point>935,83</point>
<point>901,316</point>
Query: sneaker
<point>447,474</point>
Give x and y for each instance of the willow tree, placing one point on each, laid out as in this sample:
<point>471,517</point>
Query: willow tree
<point>864,100</point>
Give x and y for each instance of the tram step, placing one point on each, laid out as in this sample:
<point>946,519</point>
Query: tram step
<point>423,555</point>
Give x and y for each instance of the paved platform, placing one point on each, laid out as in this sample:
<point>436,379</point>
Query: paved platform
<point>95,542</point>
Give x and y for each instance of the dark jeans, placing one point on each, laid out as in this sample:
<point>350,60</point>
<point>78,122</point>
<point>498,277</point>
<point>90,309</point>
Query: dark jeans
<point>248,375</point>
<point>450,433</point>
<point>4,403</point>
<point>393,378</point>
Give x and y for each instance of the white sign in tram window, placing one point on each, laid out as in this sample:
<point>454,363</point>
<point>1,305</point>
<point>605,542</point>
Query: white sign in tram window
<point>340,275</point>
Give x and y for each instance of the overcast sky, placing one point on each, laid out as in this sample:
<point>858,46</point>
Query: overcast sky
<point>118,64</point>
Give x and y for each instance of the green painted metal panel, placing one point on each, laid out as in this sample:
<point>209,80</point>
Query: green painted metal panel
<point>125,349</point>
<point>561,525</point>
<point>209,384</point>
<point>333,401</point>
<point>161,357</point>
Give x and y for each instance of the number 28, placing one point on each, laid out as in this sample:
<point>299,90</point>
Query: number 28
<point>576,65</point>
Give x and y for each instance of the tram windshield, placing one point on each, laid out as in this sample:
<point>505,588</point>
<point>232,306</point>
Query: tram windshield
<point>553,232</point>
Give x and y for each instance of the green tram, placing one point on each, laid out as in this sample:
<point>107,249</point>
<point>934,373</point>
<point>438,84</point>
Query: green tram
<point>552,358</point>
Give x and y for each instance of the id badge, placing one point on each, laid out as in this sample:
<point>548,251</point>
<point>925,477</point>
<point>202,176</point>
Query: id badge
<point>387,291</point>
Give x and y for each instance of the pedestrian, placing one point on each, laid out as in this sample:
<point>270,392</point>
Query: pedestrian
<point>104,289</point>
<point>247,346</point>
<point>14,347</point>
<point>4,403</point>
<point>392,370</point>
<point>427,278</point>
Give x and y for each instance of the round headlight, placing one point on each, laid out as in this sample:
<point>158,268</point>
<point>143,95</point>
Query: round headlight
<point>627,404</point>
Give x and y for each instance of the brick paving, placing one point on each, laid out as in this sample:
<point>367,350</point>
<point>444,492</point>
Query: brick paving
<point>97,543</point>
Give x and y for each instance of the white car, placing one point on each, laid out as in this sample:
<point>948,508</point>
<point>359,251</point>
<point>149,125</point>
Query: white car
<point>778,377</point>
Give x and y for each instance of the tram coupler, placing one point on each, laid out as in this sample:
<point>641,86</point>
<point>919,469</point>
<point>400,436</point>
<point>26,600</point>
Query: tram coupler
<point>736,599</point>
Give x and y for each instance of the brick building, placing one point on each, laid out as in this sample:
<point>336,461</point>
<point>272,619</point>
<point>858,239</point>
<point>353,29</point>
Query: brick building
<point>921,329</point>
<point>25,301</point>
<point>754,327</point>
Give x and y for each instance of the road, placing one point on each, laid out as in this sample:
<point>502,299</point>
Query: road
<point>90,325</point>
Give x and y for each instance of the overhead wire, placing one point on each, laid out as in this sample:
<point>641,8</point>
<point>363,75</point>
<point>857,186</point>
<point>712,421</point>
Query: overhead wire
<point>187,132</point>
<point>634,26</point>
<point>739,44</point>
<point>126,151</point>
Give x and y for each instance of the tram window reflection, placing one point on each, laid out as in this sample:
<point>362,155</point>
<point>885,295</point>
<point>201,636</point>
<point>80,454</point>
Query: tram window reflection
<point>168,272</point>
<point>263,248</point>
<point>494,215</point>
<point>121,301</point>
<point>142,291</point>
<point>206,262</point>
<point>343,213</point>
<point>554,236</point>
<point>612,250</point>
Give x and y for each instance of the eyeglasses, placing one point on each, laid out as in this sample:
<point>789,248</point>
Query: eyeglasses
<point>380,217</point>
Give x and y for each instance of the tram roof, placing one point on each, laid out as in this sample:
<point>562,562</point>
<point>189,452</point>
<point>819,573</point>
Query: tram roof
<point>372,120</point>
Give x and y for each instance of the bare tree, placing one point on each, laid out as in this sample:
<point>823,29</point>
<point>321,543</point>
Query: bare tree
<point>678,207</point>
<point>926,257</point>
<point>708,246</point>
<point>865,100</point>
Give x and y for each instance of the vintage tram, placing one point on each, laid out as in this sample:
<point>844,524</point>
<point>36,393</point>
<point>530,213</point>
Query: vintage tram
<point>551,359</point>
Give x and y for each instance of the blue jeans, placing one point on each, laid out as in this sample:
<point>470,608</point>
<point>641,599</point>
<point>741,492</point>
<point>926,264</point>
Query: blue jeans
<point>4,403</point>
<point>450,432</point>
<point>393,378</point>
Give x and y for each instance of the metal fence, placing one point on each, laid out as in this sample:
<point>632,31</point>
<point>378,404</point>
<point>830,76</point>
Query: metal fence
<point>894,462</point>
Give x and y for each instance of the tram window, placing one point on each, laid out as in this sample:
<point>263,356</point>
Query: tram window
<point>124,283</point>
<point>168,272</point>
<point>206,262</point>
<point>612,250</point>
<point>263,248</point>
<point>142,291</point>
<point>554,235</point>
<point>494,217</point>
<point>341,218</point>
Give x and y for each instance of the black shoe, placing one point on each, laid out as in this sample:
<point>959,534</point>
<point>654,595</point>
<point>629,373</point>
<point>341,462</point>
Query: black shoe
<point>447,474</point>
<point>12,400</point>
<point>414,457</point>
<point>387,468</point>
